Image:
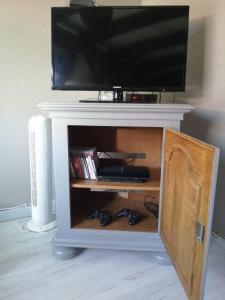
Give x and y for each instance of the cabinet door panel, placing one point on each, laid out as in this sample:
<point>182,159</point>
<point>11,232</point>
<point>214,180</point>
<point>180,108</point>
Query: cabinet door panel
<point>188,186</point>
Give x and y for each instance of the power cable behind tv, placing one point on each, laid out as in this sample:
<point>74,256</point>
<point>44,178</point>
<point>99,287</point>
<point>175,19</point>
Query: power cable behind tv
<point>83,3</point>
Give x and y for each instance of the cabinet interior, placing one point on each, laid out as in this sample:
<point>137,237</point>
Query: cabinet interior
<point>145,147</point>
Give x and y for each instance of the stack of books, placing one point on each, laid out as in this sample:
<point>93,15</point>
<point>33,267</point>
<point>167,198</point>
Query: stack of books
<point>83,163</point>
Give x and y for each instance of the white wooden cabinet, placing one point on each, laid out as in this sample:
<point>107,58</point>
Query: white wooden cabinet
<point>183,179</point>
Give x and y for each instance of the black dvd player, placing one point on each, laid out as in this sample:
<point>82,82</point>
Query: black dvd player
<point>123,173</point>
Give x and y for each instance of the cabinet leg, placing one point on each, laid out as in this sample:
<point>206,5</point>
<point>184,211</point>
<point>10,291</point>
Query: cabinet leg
<point>161,258</point>
<point>64,252</point>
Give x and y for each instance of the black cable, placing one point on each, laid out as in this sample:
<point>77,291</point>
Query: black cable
<point>99,96</point>
<point>131,96</point>
<point>160,97</point>
<point>152,207</point>
<point>130,162</point>
<point>105,153</point>
<point>174,96</point>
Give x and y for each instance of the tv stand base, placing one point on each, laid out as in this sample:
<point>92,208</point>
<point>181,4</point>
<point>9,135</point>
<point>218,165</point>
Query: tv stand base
<point>64,252</point>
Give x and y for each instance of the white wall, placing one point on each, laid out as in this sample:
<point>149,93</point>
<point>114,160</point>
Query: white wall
<point>206,83</point>
<point>25,81</point>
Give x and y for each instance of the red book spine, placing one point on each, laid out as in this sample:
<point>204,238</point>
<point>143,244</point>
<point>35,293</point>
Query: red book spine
<point>81,164</point>
<point>77,166</point>
<point>72,168</point>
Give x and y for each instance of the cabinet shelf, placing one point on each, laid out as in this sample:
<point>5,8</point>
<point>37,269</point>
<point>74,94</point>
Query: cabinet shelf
<point>151,185</point>
<point>93,200</point>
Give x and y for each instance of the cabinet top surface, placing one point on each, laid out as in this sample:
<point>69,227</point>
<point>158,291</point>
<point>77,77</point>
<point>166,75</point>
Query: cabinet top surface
<point>114,107</point>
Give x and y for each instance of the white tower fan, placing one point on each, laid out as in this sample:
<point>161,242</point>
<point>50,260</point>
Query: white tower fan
<point>41,175</point>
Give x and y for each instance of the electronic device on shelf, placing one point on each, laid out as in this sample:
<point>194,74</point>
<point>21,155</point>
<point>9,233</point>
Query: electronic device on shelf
<point>123,173</point>
<point>130,98</point>
<point>97,101</point>
<point>104,217</point>
<point>111,101</point>
<point>141,98</point>
<point>132,216</point>
<point>132,48</point>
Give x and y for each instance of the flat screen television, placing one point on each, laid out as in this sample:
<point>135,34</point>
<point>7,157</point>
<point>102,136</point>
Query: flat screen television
<point>129,48</point>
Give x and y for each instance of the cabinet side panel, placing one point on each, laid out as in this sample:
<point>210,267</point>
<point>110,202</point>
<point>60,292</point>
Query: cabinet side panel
<point>61,174</point>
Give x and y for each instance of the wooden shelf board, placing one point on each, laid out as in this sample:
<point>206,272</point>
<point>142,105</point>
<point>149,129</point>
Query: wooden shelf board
<point>151,185</point>
<point>147,223</point>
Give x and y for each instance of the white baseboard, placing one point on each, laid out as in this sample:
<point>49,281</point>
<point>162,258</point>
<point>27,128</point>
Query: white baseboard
<point>218,241</point>
<point>54,207</point>
<point>13,213</point>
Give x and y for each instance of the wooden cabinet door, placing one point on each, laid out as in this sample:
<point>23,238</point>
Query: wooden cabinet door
<point>190,168</point>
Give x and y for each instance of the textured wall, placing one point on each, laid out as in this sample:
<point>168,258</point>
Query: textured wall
<point>206,83</point>
<point>25,81</point>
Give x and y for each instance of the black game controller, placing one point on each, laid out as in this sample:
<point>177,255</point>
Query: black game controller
<point>133,217</point>
<point>101,215</point>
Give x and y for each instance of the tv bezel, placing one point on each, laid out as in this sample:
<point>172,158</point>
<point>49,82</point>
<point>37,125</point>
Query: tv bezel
<point>123,88</point>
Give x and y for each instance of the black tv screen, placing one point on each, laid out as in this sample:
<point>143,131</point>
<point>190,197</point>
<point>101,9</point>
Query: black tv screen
<point>133,48</point>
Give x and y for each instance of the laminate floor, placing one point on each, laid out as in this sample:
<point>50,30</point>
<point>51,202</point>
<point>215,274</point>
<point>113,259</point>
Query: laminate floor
<point>29,271</point>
